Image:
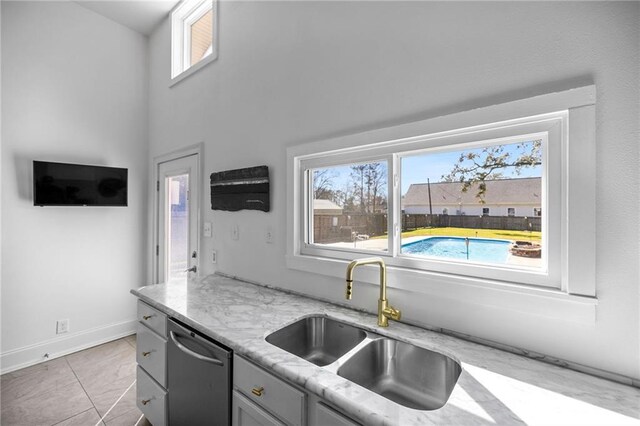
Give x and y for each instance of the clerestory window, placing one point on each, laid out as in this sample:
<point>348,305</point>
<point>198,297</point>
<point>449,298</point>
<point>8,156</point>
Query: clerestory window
<point>193,37</point>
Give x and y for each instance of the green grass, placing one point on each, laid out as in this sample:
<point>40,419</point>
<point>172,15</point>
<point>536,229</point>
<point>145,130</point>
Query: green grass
<point>469,232</point>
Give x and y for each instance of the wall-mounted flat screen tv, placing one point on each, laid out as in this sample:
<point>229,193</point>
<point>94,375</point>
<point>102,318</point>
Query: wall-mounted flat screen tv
<point>63,184</point>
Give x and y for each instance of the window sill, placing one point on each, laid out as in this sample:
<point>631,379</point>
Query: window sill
<point>192,70</point>
<point>553,304</point>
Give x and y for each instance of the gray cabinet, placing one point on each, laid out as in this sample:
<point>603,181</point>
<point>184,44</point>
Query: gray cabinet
<point>152,318</point>
<point>247,413</point>
<point>273,394</point>
<point>151,356</point>
<point>326,416</point>
<point>261,398</point>
<point>151,398</point>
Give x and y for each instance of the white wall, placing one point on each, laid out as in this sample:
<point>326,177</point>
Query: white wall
<point>294,72</point>
<point>74,90</point>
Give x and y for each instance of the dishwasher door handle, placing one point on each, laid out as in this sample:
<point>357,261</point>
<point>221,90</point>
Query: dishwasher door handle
<point>188,351</point>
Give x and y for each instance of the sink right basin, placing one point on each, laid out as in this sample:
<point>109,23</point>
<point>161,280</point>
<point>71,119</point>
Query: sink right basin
<point>406,374</point>
<point>318,339</point>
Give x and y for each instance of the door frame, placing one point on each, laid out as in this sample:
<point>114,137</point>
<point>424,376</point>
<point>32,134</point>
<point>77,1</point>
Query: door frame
<point>187,151</point>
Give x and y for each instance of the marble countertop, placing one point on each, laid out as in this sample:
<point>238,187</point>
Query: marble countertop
<point>495,387</point>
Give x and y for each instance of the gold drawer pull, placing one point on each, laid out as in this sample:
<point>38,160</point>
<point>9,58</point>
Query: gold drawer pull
<point>257,391</point>
<point>146,317</point>
<point>145,401</point>
<point>146,353</point>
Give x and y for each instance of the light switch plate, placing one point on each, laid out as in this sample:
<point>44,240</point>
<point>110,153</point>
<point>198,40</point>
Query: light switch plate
<point>207,229</point>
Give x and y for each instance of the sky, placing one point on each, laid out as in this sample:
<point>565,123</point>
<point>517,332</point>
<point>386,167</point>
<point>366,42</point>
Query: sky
<point>419,168</point>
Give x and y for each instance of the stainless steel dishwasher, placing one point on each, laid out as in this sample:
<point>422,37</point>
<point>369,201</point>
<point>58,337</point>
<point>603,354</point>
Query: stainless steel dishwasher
<point>198,378</point>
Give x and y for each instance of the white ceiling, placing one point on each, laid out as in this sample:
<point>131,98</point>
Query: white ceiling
<point>139,15</point>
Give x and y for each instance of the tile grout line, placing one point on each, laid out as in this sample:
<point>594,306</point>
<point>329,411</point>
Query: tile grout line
<point>77,414</point>
<point>115,403</point>
<point>81,385</point>
<point>88,396</point>
<point>72,414</point>
<point>139,419</point>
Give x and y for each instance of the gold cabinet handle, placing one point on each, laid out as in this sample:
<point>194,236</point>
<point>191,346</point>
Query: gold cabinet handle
<point>146,317</point>
<point>146,353</point>
<point>145,401</point>
<point>257,391</point>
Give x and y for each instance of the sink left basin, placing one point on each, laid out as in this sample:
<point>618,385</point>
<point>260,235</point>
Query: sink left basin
<point>318,339</point>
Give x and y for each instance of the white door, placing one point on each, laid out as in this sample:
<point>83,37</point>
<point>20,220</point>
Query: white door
<point>177,212</point>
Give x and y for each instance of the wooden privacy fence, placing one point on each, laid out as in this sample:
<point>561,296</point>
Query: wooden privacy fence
<point>346,227</point>
<point>331,229</point>
<point>511,223</point>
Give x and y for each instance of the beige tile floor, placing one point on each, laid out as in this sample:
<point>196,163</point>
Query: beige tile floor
<point>91,387</point>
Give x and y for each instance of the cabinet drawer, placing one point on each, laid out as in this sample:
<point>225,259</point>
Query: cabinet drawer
<point>273,394</point>
<point>152,318</point>
<point>246,413</point>
<point>151,354</point>
<point>326,416</point>
<point>151,399</point>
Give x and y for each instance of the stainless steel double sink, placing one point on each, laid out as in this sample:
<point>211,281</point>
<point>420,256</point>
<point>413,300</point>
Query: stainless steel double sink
<point>409,375</point>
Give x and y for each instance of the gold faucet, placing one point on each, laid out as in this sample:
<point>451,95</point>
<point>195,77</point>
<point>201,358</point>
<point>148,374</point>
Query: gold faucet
<point>385,311</point>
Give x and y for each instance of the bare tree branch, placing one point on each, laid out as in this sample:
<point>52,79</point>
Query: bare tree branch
<point>476,167</point>
<point>323,183</point>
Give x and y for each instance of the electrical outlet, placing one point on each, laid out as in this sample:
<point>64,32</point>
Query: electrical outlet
<point>214,256</point>
<point>235,233</point>
<point>268,236</point>
<point>62,326</point>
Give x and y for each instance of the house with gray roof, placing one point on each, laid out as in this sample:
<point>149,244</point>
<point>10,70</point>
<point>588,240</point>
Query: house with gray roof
<point>503,197</point>
<point>326,207</point>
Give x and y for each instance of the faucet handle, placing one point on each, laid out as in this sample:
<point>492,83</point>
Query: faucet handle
<point>349,289</point>
<point>392,313</point>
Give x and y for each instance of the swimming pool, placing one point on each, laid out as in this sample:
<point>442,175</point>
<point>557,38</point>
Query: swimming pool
<point>480,249</point>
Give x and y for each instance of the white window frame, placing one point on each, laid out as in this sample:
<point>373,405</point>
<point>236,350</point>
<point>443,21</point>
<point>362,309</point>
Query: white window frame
<point>183,16</point>
<point>546,127</point>
<point>570,274</point>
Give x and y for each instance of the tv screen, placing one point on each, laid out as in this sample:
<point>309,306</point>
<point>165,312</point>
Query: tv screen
<point>62,184</point>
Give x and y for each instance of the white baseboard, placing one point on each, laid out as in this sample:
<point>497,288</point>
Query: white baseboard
<point>63,345</point>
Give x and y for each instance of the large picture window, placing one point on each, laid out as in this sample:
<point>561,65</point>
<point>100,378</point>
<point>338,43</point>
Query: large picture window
<point>485,204</point>
<point>411,223</point>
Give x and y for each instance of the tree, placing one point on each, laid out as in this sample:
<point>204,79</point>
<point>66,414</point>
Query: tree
<point>376,177</point>
<point>357,175</point>
<point>369,183</point>
<point>323,184</point>
<point>475,167</point>
<point>345,198</point>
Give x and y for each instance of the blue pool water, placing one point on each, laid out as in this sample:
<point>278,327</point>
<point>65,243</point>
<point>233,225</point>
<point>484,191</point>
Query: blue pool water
<point>480,249</point>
